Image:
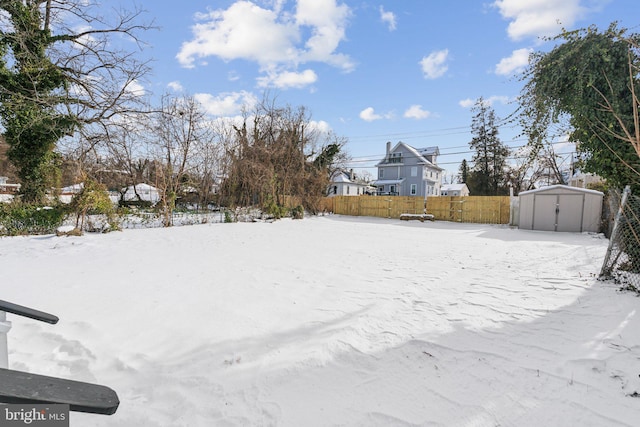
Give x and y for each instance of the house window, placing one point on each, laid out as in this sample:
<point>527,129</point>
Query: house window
<point>392,189</point>
<point>414,189</point>
<point>348,189</point>
<point>414,171</point>
<point>395,158</point>
<point>335,189</point>
<point>381,173</point>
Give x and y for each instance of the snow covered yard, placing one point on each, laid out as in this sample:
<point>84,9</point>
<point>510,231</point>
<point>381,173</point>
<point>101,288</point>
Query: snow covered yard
<point>331,321</point>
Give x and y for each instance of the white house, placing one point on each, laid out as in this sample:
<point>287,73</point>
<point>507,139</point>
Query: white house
<point>409,171</point>
<point>456,190</point>
<point>7,191</point>
<point>584,180</point>
<point>344,184</point>
<point>141,192</point>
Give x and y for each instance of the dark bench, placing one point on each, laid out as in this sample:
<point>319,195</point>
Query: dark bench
<point>419,217</point>
<point>23,387</point>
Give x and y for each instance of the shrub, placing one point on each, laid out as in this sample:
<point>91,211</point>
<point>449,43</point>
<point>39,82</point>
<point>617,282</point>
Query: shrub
<point>297,212</point>
<point>274,210</point>
<point>18,218</point>
<point>93,199</point>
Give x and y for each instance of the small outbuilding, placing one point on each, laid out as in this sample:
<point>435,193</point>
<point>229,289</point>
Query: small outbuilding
<point>455,190</point>
<point>561,208</point>
<point>141,192</point>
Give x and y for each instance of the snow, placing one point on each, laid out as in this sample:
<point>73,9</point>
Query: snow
<point>331,321</point>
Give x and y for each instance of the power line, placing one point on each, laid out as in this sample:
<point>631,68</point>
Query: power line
<point>431,133</point>
<point>375,158</point>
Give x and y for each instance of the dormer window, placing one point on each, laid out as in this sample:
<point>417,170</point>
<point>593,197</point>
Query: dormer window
<point>395,158</point>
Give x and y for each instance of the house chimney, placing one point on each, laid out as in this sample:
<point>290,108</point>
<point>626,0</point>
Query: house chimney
<point>388,147</point>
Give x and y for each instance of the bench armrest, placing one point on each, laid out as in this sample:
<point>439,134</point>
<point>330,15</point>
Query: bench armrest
<point>20,310</point>
<point>23,387</point>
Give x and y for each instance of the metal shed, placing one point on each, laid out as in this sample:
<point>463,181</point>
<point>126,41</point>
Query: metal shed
<point>561,208</point>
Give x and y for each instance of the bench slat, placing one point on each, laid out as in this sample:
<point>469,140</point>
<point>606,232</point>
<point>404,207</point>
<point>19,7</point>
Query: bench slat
<point>20,310</point>
<point>23,387</point>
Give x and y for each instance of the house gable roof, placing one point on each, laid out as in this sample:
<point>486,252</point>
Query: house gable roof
<point>340,177</point>
<point>419,153</point>
<point>453,187</point>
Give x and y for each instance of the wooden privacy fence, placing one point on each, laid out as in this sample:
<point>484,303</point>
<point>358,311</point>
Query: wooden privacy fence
<point>472,209</point>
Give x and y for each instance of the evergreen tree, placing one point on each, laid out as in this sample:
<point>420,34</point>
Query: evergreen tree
<point>463,172</point>
<point>487,177</point>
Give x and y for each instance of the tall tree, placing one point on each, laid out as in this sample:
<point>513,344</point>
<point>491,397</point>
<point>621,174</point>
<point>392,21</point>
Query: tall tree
<point>59,71</point>
<point>586,86</point>
<point>463,172</point>
<point>487,176</point>
<point>180,129</point>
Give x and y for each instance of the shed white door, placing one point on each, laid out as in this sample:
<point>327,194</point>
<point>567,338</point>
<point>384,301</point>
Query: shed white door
<point>554,212</point>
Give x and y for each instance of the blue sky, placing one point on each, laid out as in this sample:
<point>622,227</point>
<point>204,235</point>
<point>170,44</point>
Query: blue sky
<point>372,72</point>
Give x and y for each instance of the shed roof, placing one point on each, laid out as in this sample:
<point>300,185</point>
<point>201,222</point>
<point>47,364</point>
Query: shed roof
<point>553,188</point>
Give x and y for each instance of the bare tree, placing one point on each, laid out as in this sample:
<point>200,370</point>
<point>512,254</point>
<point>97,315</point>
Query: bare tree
<point>278,153</point>
<point>180,130</point>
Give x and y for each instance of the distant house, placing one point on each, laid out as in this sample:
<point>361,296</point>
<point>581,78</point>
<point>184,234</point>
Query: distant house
<point>6,188</point>
<point>409,171</point>
<point>67,193</point>
<point>344,183</point>
<point>141,192</point>
<point>456,190</point>
<point>584,180</point>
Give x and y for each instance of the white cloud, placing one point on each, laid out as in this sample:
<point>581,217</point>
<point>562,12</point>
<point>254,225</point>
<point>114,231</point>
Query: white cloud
<point>467,103</point>
<point>175,86</point>
<point>273,38</point>
<point>434,65</point>
<point>492,100</point>
<point>244,31</point>
<point>389,18</point>
<point>327,21</point>
<point>288,79</point>
<point>320,126</point>
<point>416,112</point>
<point>135,88</point>
<point>516,63</point>
<point>369,115</point>
<point>539,17</point>
<point>226,104</point>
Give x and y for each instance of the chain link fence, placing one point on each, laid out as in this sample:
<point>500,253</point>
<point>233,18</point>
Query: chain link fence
<point>622,262</point>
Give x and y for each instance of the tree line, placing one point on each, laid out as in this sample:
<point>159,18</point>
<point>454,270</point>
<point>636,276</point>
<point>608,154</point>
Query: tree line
<point>71,109</point>
<point>70,102</point>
